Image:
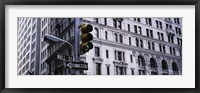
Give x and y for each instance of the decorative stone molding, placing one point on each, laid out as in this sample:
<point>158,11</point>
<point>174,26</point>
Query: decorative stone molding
<point>107,65</point>
<point>132,68</point>
<point>141,68</point>
<point>134,53</point>
<point>120,63</point>
<point>97,59</point>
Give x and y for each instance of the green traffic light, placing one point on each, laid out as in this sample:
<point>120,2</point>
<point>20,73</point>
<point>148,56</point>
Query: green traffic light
<point>85,47</point>
<point>89,45</point>
<point>86,37</point>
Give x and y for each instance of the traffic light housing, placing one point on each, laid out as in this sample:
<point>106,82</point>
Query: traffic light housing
<point>86,37</point>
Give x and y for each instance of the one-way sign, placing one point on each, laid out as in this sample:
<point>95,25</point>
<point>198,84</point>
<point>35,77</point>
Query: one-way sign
<point>78,65</point>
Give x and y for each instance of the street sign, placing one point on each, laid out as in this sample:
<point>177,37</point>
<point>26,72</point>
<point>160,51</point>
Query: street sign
<point>78,65</point>
<point>64,57</point>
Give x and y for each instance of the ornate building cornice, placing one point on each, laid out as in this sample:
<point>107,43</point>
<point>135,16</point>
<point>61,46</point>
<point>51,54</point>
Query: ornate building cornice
<point>133,48</point>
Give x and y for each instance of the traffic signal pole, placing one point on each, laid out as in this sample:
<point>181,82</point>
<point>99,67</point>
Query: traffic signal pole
<point>85,39</point>
<point>76,40</point>
<point>76,57</point>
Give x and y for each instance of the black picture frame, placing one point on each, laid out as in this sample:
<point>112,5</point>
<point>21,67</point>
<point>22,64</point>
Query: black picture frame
<point>3,3</point>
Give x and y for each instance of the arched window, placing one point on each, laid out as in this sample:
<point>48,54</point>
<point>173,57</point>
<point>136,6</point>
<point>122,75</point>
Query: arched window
<point>106,35</point>
<point>153,63</point>
<point>174,67</point>
<point>116,37</point>
<point>164,65</point>
<point>97,33</point>
<point>129,40</point>
<point>141,61</point>
<point>120,38</point>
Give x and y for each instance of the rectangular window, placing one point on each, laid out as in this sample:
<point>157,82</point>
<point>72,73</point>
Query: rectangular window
<point>168,38</point>
<point>115,23</point>
<point>158,35</point>
<point>131,58</point>
<point>97,52</point>
<point>151,33</point>
<point>178,21</point>
<point>119,55</point>
<point>106,35</point>
<point>121,71</point>
<point>164,48</point>
<point>178,41</point>
<point>160,47</point>
<point>140,30</point>
<point>141,43</point>
<point>157,24</point>
<point>123,56</point>
<point>162,36</point>
<point>172,39</point>
<point>134,19</point>
<point>129,27</point>
<point>135,29</point>
<point>174,51</point>
<point>148,21</point>
<point>115,55</point>
<point>160,24</point>
<point>147,32</point>
<point>96,20</point>
<point>153,46</point>
<point>98,69</point>
<point>105,21</point>
<point>170,26</point>
<point>149,45</point>
<point>108,70</point>
<point>107,54</point>
<point>137,42</point>
<point>138,19</point>
<point>141,72</point>
<point>180,52</point>
<point>176,28</point>
<point>119,24</point>
<point>180,31</point>
<point>117,70</point>
<point>132,71</point>
<point>170,48</point>
<point>129,40</point>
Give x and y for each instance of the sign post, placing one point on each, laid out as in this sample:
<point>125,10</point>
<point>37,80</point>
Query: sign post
<point>77,65</point>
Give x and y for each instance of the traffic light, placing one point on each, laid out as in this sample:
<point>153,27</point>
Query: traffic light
<point>86,37</point>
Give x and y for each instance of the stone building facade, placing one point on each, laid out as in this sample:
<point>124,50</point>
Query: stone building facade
<point>135,46</point>
<point>122,46</point>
